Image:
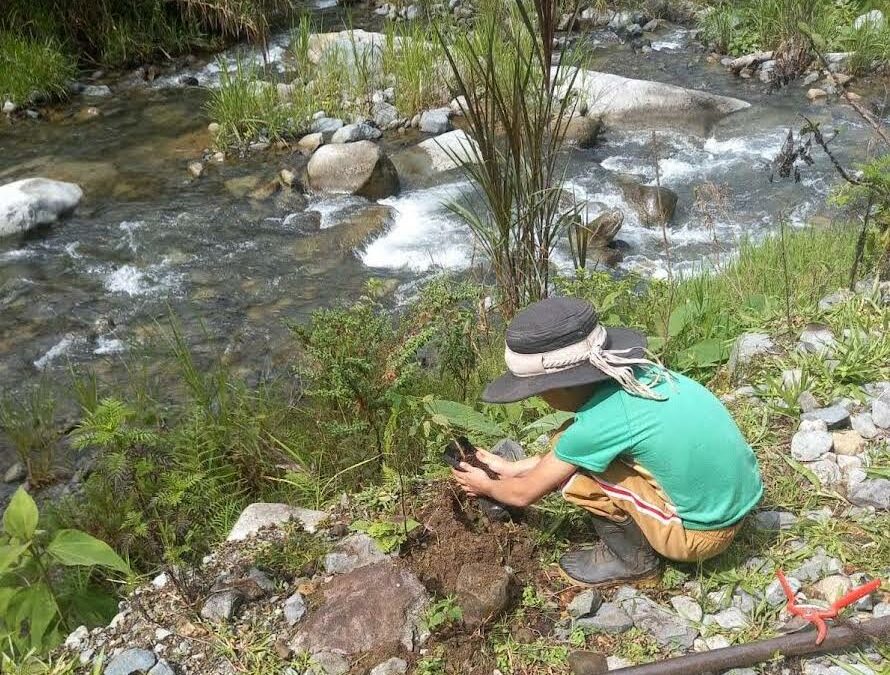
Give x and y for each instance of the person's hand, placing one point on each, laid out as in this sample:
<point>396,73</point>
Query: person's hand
<point>471,480</point>
<point>499,465</point>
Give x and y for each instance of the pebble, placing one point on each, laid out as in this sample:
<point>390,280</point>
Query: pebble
<point>881,610</point>
<point>131,661</point>
<point>835,417</point>
<point>583,662</point>
<point>393,666</point>
<point>584,604</point>
<point>773,521</point>
<point>688,608</point>
<point>880,411</point>
<point>294,608</point>
<point>161,668</point>
<point>668,629</point>
<point>716,642</point>
<point>326,125</point>
<point>864,425</point>
<point>196,169</point>
<point>817,566</point>
<point>831,588</point>
<point>807,402</point>
<point>826,470</point>
<point>221,606</point>
<point>731,618</point>
<point>162,634</point>
<point>328,663</point>
<point>610,618</point>
<point>746,602</point>
<point>77,638</point>
<point>436,121</point>
<point>9,107</point>
<point>748,346</point>
<point>774,594</point>
<point>808,446</point>
<point>872,492</point>
<point>617,662</point>
<point>817,339</point>
<point>356,132</point>
<point>817,94</point>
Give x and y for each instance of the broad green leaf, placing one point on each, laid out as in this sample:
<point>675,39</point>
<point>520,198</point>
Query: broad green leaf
<point>463,417</point>
<point>73,547</point>
<point>20,517</point>
<point>9,555</point>
<point>38,608</point>
<point>707,352</point>
<point>90,606</point>
<point>679,319</point>
<point>6,595</point>
<point>547,423</point>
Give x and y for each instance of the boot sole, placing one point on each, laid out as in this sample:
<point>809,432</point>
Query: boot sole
<point>648,580</point>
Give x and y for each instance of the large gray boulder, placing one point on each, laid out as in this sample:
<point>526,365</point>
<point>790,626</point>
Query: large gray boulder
<point>27,203</point>
<point>655,205</point>
<point>625,102</point>
<point>435,155</point>
<point>360,168</point>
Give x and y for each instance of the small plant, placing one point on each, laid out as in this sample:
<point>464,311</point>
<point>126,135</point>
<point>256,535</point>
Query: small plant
<point>28,421</point>
<point>432,664</point>
<point>41,597</point>
<point>442,613</point>
<point>531,598</point>
<point>389,535</point>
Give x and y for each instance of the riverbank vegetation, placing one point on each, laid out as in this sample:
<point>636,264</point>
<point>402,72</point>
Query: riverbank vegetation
<point>739,28</point>
<point>357,419</point>
<point>43,42</point>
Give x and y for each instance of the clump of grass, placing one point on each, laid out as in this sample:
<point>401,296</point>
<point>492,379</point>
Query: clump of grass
<point>413,61</point>
<point>248,108</point>
<point>32,69</point>
<point>28,422</point>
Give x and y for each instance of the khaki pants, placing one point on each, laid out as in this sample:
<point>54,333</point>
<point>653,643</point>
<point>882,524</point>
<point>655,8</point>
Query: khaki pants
<point>623,490</point>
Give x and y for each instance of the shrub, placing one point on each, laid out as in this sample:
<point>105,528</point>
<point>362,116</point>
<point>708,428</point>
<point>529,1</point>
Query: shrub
<point>45,580</point>
<point>28,421</point>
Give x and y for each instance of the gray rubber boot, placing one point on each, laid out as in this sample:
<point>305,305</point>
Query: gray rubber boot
<point>622,555</point>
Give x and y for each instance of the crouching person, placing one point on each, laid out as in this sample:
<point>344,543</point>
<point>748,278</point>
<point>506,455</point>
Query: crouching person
<point>654,456</point>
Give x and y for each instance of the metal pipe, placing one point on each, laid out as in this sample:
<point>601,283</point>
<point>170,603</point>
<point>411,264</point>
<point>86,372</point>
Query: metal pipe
<point>839,637</point>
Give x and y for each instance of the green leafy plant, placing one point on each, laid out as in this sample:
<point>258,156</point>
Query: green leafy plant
<point>389,535</point>
<point>442,613</point>
<point>40,596</point>
<point>497,421</point>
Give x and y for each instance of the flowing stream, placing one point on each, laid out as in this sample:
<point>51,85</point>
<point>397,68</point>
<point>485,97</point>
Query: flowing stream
<point>148,239</point>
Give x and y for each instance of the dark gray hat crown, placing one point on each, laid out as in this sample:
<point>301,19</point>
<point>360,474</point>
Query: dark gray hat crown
<point>550,324</point>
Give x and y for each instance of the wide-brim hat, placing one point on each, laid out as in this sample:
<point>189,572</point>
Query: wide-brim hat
<point>546,344</point>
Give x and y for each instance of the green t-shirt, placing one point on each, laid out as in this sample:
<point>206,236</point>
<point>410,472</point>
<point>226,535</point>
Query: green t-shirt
<point>688,442</point>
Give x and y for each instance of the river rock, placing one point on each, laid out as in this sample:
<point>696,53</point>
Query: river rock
<point>374,607</point>
<point>436,121</point>
<point>360,168</point>
<point>880,411</point>
<point>582,131</point>
<point>435,155</point>
<point>9,107</point>
<point>294,609</point>
<point>263,514</point>
<point>817,338</point>
<point>864,425</point>
<point>95,90</point>
<point>835,417</point>
<point>584,604</point>
<point>815,94</point>
<point>626,102</point>
<point>774,521</point>
<point>687,608</point>
<point>350,43</point>
<point>808,446</point>
<point>872,492</point>
<point>775,595</point>
<point>393,666</point>
<point>609,618</point>
<point>326,126</point>
<point>654,205</point>
<point>131,661</point>
<point>587,663</point>
<point>731,618</point>
<point>356,132</point>
<point>831,588</point>
<point>16,473</point>
<point>668,629</point>
<point>483,591</point>
<point>848,443</point>
<point>748,346</point>
<point>385,115</point>
<point>873,20</point>
<point>28,203</point>
<point>355,551</point>
<point>327,663</point>
<point>826,470</point>
<point>221,606</point>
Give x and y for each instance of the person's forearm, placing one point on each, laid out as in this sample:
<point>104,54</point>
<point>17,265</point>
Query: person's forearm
<point>510,490</point>
<point>523,466</point>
